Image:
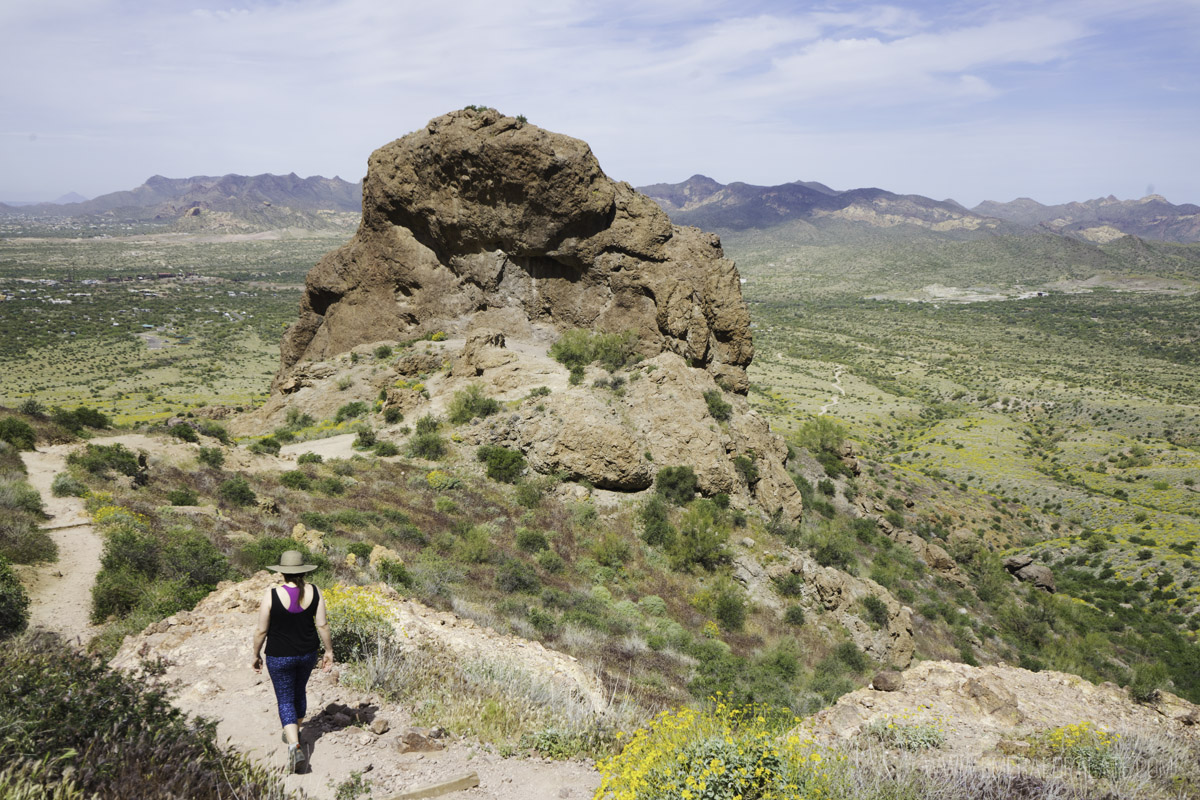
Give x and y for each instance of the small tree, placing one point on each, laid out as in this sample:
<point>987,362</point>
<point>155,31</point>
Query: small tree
<point>503,464</point>
<point>676,484</point>
<point>14,603</point>
<point>236,491</point>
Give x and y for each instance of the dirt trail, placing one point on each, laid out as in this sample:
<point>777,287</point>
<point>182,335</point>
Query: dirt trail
<point>837,385</point>
<point>206,653</point>
<point>60,593</point>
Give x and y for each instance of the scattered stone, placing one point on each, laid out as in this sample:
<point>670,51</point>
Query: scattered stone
<point>380,726</point>
<point>888,681</point>
<point>415,740</point>
<point>468,781</point>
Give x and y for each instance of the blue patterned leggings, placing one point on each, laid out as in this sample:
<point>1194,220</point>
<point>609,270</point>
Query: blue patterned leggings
<point>289,676</point>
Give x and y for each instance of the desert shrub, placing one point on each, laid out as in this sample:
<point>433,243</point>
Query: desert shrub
<point>183,496</point>
<point>529,493</point>
<point>794,615</point>
<point>17,432</point>
<point>184,432</point>
<point>386,449</point>
<point>875,610</point>
<point>832,675</point>
<point>79,418</point>
<point>902,733</point>
<point>702,538</point>
<point>310,458</point>
<point>23,542</point>
<point>383,351</point>
<point>18,496</point>
<point>98,459</point>
<point>1079,746</point>
<point>112,734</point>
<point>656,526</point>
<point>1148,682</point>
<point>236,491</point>
<point>730,750</point>
<point>295,479</point>
<point>475,547</point>
<point>717,405</point>
<point>268,445</point>
<point>551,561</point>
<point>470,403</point>
<point>725,601</point>
<point>212,457</point>
<point>503,464</point>
<point>215,430</point>
<point>428,446</point>
<point>394,572</point>
<point>392,415</point>
<point>577,348</point>
<point>427,424</point>
<point>351,411</point>
<point>65,485</point>
<point>531,540</point>
<point>360,621</point>
<point>365,439</point>
<point>32,408</point>
<point>832,545</point>
<point>514,575</point>
<point>330,485</point>
<point>745,467</point>
<point>360,550</point>
<point>676,484</point>
<point>612,551</point>
<point>14,603</point>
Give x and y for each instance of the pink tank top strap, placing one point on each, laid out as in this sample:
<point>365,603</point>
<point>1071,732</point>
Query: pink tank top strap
<point>293,593</point>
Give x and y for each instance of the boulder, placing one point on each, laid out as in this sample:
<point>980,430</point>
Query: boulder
<point>888,681</point>
<point>480,211</point>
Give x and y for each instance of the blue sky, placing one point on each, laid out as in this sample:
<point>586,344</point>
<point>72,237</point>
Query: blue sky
<point>1055,100</point>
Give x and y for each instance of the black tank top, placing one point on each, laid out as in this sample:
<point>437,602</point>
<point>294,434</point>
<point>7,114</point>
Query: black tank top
<point>291,634</point>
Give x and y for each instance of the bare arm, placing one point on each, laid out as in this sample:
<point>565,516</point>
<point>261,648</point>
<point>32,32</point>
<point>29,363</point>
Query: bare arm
<point>323,631</point>
<point>260,630</point>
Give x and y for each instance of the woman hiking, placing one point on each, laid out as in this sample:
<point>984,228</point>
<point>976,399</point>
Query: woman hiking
<point>290,618</point>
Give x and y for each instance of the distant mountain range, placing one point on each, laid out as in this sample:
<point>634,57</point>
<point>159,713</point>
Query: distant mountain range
<point>704,202</point>
<point>258,199</point>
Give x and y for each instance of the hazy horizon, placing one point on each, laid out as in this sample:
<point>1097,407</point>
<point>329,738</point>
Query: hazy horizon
<point>1058,101</point>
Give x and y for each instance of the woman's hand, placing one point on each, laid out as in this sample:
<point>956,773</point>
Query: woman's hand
<point>256,665</point>
<point>327,662</point>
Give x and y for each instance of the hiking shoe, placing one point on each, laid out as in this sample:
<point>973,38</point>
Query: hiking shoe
<point>296,758</point>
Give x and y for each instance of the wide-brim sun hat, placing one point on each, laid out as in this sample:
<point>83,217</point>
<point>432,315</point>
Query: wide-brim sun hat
<point>291,562</point>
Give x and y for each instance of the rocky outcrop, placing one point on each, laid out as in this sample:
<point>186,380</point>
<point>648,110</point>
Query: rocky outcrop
<point>834,594</point>
<point>1023,568</point>
<point>479,211</point>
<point>980,708</point>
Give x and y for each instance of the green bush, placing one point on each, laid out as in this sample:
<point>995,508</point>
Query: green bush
<point>65,485</point>
<point>875,610</point>
<point>330,485</point>
<point>365,439</point>
<point>351,410</point>
<point>832,545</point>
<point>470,403</point>
<point>745,467</point>
<point>212,457</point>
<point>1148,682</point>
<point>531,540</point>
<point>503,464</point>
<point>529,493</point>
<point>14,603</point>
<point>428,446</point>
<point>515,575</point>
<point>268,445</point>
<point>184,432</point>
<point>98,459</point>
<point>183,496</point>
<point>392,415</point>
<point>720,410</point>
<point>427,424</point>
<point>383,351</point>
<point>18,496</point>
<point>703,536</point>
<point>23,542</point>
<point>656,525</point>
<point>309,458</point>
<point>17,432</point>
<point>551,561</point>
<point>112,734</point>
<point>794,615</point>
<point>78,419</point>
<point>386,449</point>
<point>215,430</point>
<point>236,491</point>
<point>676,484</point>
<point>296,479</point>
<point>577,348</point>
<point>395,573</point>
<point>360,550</point>
<point>612,551</point>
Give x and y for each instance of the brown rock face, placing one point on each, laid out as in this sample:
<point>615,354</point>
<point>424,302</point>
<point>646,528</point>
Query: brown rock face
<point>479,211</point>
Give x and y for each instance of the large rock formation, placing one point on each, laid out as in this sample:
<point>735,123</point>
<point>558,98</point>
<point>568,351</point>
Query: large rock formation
<point>480,211</point>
